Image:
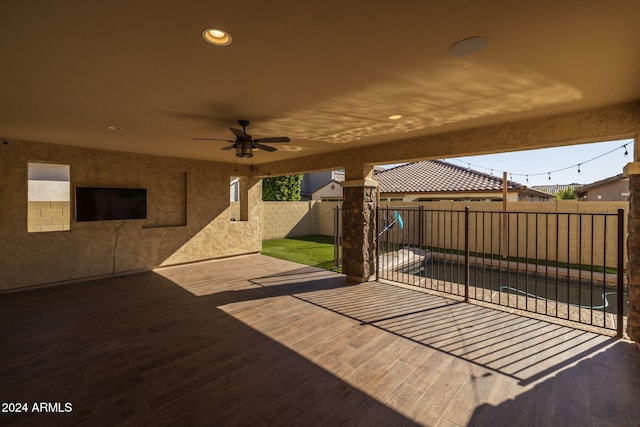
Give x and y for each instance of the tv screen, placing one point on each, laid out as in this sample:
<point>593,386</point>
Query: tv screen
<point>98,204</point>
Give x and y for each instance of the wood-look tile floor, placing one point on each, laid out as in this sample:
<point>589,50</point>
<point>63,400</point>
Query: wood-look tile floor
<point>258,341</point>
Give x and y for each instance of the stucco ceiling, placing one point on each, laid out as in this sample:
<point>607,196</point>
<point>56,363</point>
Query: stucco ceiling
<point>325,73</point>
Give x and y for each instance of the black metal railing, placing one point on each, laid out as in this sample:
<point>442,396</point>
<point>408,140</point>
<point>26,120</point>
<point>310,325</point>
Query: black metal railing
<point>564,265</point>
<point>337,237</point>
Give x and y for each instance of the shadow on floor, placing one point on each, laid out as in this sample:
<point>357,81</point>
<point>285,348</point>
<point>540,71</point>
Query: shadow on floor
<point>520,347</point>
<point>599,391</point>
<point>139,350</point>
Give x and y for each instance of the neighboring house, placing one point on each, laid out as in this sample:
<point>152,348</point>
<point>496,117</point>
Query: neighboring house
<point>438,180</point>
<point>329,192</point>
<point>615,188</point>
<point>311,182</point>
<point>556,188</point>
<point>234,189</point>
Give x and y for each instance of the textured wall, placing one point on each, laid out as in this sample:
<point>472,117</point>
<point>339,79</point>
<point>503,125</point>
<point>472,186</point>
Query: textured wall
<point>111,247</point>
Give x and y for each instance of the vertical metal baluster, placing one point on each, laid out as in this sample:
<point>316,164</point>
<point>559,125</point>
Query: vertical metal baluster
<point>517,259</point>
<point>557,258</point>
<point>377,223</point>
<point>508,259</point>
<point>568,266</point>
<point>619,276</point>
<point>580,268</point>
<point>592,263</point>
<point>526,261</point>
<point>491,216</point>
<point>537,258</point>
<point>466,254</point>
<point>546,272</point>
<point>500,238</point>
<point>604,271</point>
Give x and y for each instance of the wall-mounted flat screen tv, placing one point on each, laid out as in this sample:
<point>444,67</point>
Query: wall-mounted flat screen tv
<point>99,204</point>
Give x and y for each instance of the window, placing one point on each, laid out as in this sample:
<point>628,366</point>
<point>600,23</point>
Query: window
<point>238,199</point>
<point>49,207</point>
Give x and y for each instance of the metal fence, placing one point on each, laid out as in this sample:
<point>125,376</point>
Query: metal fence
<point>545,263</point>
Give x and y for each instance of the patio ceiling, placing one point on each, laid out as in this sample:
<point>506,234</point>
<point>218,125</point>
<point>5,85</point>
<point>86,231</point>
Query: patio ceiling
<point>328,74</point>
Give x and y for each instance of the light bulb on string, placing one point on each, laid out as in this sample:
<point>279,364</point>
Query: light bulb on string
<point>527,178</point>
<point>578,167</point>
<point>549,175</point>
<point>626,153</point>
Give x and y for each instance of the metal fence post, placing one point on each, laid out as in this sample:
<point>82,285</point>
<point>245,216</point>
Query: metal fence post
<point>336,237</point>
<point>377,237</point>
<point>620,279</point>
<point>466,254</point>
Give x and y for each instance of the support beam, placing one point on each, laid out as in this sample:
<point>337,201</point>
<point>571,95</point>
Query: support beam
<point>596,125</point>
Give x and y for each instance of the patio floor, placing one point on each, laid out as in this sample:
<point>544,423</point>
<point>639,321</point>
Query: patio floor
<point>255,340</point>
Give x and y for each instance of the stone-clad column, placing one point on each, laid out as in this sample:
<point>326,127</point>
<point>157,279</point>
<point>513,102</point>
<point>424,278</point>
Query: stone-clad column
<point>632,170</point>
<point>360,195</point>
<point>359,229</point>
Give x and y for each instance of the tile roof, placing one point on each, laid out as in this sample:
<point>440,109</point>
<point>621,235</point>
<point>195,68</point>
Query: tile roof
<point>438,176</point>
<point>556,188</point>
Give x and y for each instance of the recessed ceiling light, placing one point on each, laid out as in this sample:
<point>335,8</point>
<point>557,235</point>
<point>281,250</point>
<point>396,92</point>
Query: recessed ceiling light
<point>216,36</point>
<point>115,128</point>
<point>395,117</point>
<point>468,46</point>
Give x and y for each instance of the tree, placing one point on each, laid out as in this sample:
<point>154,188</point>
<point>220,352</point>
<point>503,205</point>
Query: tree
<point>567,194</point>
<point>281,188</point>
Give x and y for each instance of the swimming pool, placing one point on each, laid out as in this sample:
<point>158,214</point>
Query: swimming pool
<point>550,289</point>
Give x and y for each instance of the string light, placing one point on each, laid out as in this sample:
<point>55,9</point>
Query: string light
<point>527,178</point>
<point>578,165</point>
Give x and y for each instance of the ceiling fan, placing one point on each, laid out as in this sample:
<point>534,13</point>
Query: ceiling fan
<point>244,143</point>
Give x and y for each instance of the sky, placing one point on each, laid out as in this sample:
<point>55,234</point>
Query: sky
<point>535,165</point>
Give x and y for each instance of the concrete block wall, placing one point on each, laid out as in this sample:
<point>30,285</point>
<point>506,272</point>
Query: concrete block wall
<point>326,219</point>
<point>528,235</point>
<point>48,216</point>
<point>289,219</point>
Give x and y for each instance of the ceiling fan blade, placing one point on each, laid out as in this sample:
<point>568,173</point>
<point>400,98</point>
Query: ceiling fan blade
<point>239,134</point>
<point>264,147</point>
<point>211,139</point>
<point>229,147</point>
<point>274,139</point>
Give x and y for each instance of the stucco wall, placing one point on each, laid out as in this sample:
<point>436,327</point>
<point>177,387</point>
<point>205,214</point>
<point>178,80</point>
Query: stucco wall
<point>188,216</point>
<point>618,190</point>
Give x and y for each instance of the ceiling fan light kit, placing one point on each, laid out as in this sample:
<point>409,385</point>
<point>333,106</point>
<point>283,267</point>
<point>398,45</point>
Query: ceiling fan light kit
<point>244,150</point>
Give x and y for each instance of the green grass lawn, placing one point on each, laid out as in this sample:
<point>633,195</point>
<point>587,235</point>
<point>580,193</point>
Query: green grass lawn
<point>316,250</point>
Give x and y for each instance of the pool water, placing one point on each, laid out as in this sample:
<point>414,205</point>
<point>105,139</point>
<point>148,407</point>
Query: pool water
<point>584,294</point>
